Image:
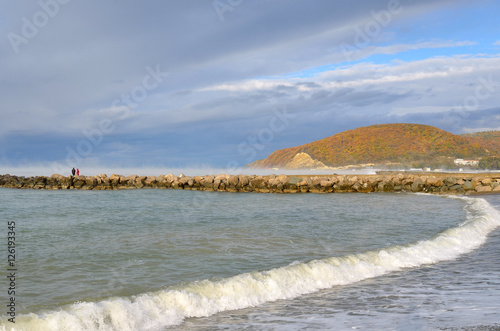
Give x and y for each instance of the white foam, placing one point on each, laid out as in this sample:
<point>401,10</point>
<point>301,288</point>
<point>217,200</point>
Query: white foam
<point>154,311</point>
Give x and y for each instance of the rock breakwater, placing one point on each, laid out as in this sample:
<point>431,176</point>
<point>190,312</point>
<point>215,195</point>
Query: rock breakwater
<point>442,183</point>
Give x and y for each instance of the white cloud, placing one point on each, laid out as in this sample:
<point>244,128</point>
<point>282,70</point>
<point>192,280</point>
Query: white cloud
<point>366,74</point>
<point>416,90</point>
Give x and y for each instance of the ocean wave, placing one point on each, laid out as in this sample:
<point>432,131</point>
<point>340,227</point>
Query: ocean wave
<point>154,311</point>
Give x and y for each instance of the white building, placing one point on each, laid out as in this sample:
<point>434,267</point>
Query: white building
<point>463,162</point>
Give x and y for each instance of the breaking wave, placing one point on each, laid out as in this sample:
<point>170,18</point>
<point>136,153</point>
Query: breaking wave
<point>156,310</point>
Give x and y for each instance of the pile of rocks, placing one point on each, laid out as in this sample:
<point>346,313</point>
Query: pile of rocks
<point>436,183</point>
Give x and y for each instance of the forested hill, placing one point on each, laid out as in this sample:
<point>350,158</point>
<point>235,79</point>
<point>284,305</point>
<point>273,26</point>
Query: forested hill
<point>399,143</point>
<point>490,140</point>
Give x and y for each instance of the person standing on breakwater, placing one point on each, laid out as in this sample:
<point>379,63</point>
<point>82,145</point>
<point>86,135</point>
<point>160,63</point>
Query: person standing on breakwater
<point>73,171</point>
<point>77,172</point>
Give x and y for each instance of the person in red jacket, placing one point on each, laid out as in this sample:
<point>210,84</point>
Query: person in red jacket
<point>77,172</point>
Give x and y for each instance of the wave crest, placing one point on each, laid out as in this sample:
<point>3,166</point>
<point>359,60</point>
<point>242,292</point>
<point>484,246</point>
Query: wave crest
<point>153,311</point>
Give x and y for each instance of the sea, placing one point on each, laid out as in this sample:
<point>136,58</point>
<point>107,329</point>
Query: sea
<point>152,259</point>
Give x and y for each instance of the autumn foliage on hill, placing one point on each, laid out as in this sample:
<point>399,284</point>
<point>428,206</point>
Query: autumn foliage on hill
<point>384,143</point>
<point>490,140</point>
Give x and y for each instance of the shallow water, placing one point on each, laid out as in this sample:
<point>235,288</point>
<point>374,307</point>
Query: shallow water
<point>154,259</point>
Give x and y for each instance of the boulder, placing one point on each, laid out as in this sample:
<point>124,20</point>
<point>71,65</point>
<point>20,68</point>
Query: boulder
<point>326,183</point>
<point>197,180</point>
<point>308,181</point>
<point>294,180</point>
<point>218,180</point>
<point>232,180</point>
<point>408,180</point>
<point>161,182</point>
<point>434,181</point>
<point>353,180</point>
<point>140,181</point>
<point>40,180</point>
<point>483,189</point>
<point>184,180</point>
<point>116,179</point>
<point>467,185</point>
<point>207,181</point>
<point>374,180</point>
<point>79,183</point>
<point>388,186</point>
<point>419,185</point>
<point>258,183</point>
<point>357,187</point>
<point>283,179</point>
<point>60,181</point>
<point>475,182</point>
<point>242,180</point>
<point>150,181</point>
<point>457,188</point>
<point>170,177</point>
<point>485,181</point>
<point>450,181</point>
<point>397,180</point>
<point>343,185</point>
<point>367,188</point>
<point>176,184</point>
<point>130,178</point>
<point>91,181</point>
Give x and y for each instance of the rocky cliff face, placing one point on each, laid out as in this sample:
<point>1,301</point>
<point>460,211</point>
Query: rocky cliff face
<point>390,182</point>
<point>305,161</point>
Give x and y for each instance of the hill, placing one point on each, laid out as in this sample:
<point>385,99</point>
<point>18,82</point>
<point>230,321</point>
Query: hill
<point>402,143</point>
<point>490,140</point>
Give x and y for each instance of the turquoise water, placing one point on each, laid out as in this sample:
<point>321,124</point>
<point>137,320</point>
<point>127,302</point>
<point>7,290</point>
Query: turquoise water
<point>159,259</point>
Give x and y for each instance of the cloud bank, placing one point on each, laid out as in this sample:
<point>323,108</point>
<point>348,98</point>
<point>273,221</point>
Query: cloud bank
<point>223,83</point>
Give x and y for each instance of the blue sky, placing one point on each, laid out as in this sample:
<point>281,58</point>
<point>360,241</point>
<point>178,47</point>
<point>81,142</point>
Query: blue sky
<point>219,84</point>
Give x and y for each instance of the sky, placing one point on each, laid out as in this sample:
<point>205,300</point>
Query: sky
<point>148,84</point>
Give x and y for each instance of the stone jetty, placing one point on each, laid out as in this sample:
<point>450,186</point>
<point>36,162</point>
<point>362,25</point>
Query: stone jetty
<point>438,183</point>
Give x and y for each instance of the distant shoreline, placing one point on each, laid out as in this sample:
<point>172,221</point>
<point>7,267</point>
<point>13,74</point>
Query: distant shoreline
<point>437,183</point>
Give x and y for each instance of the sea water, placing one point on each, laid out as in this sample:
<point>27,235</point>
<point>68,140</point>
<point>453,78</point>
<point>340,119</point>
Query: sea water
<point>189,260</point>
